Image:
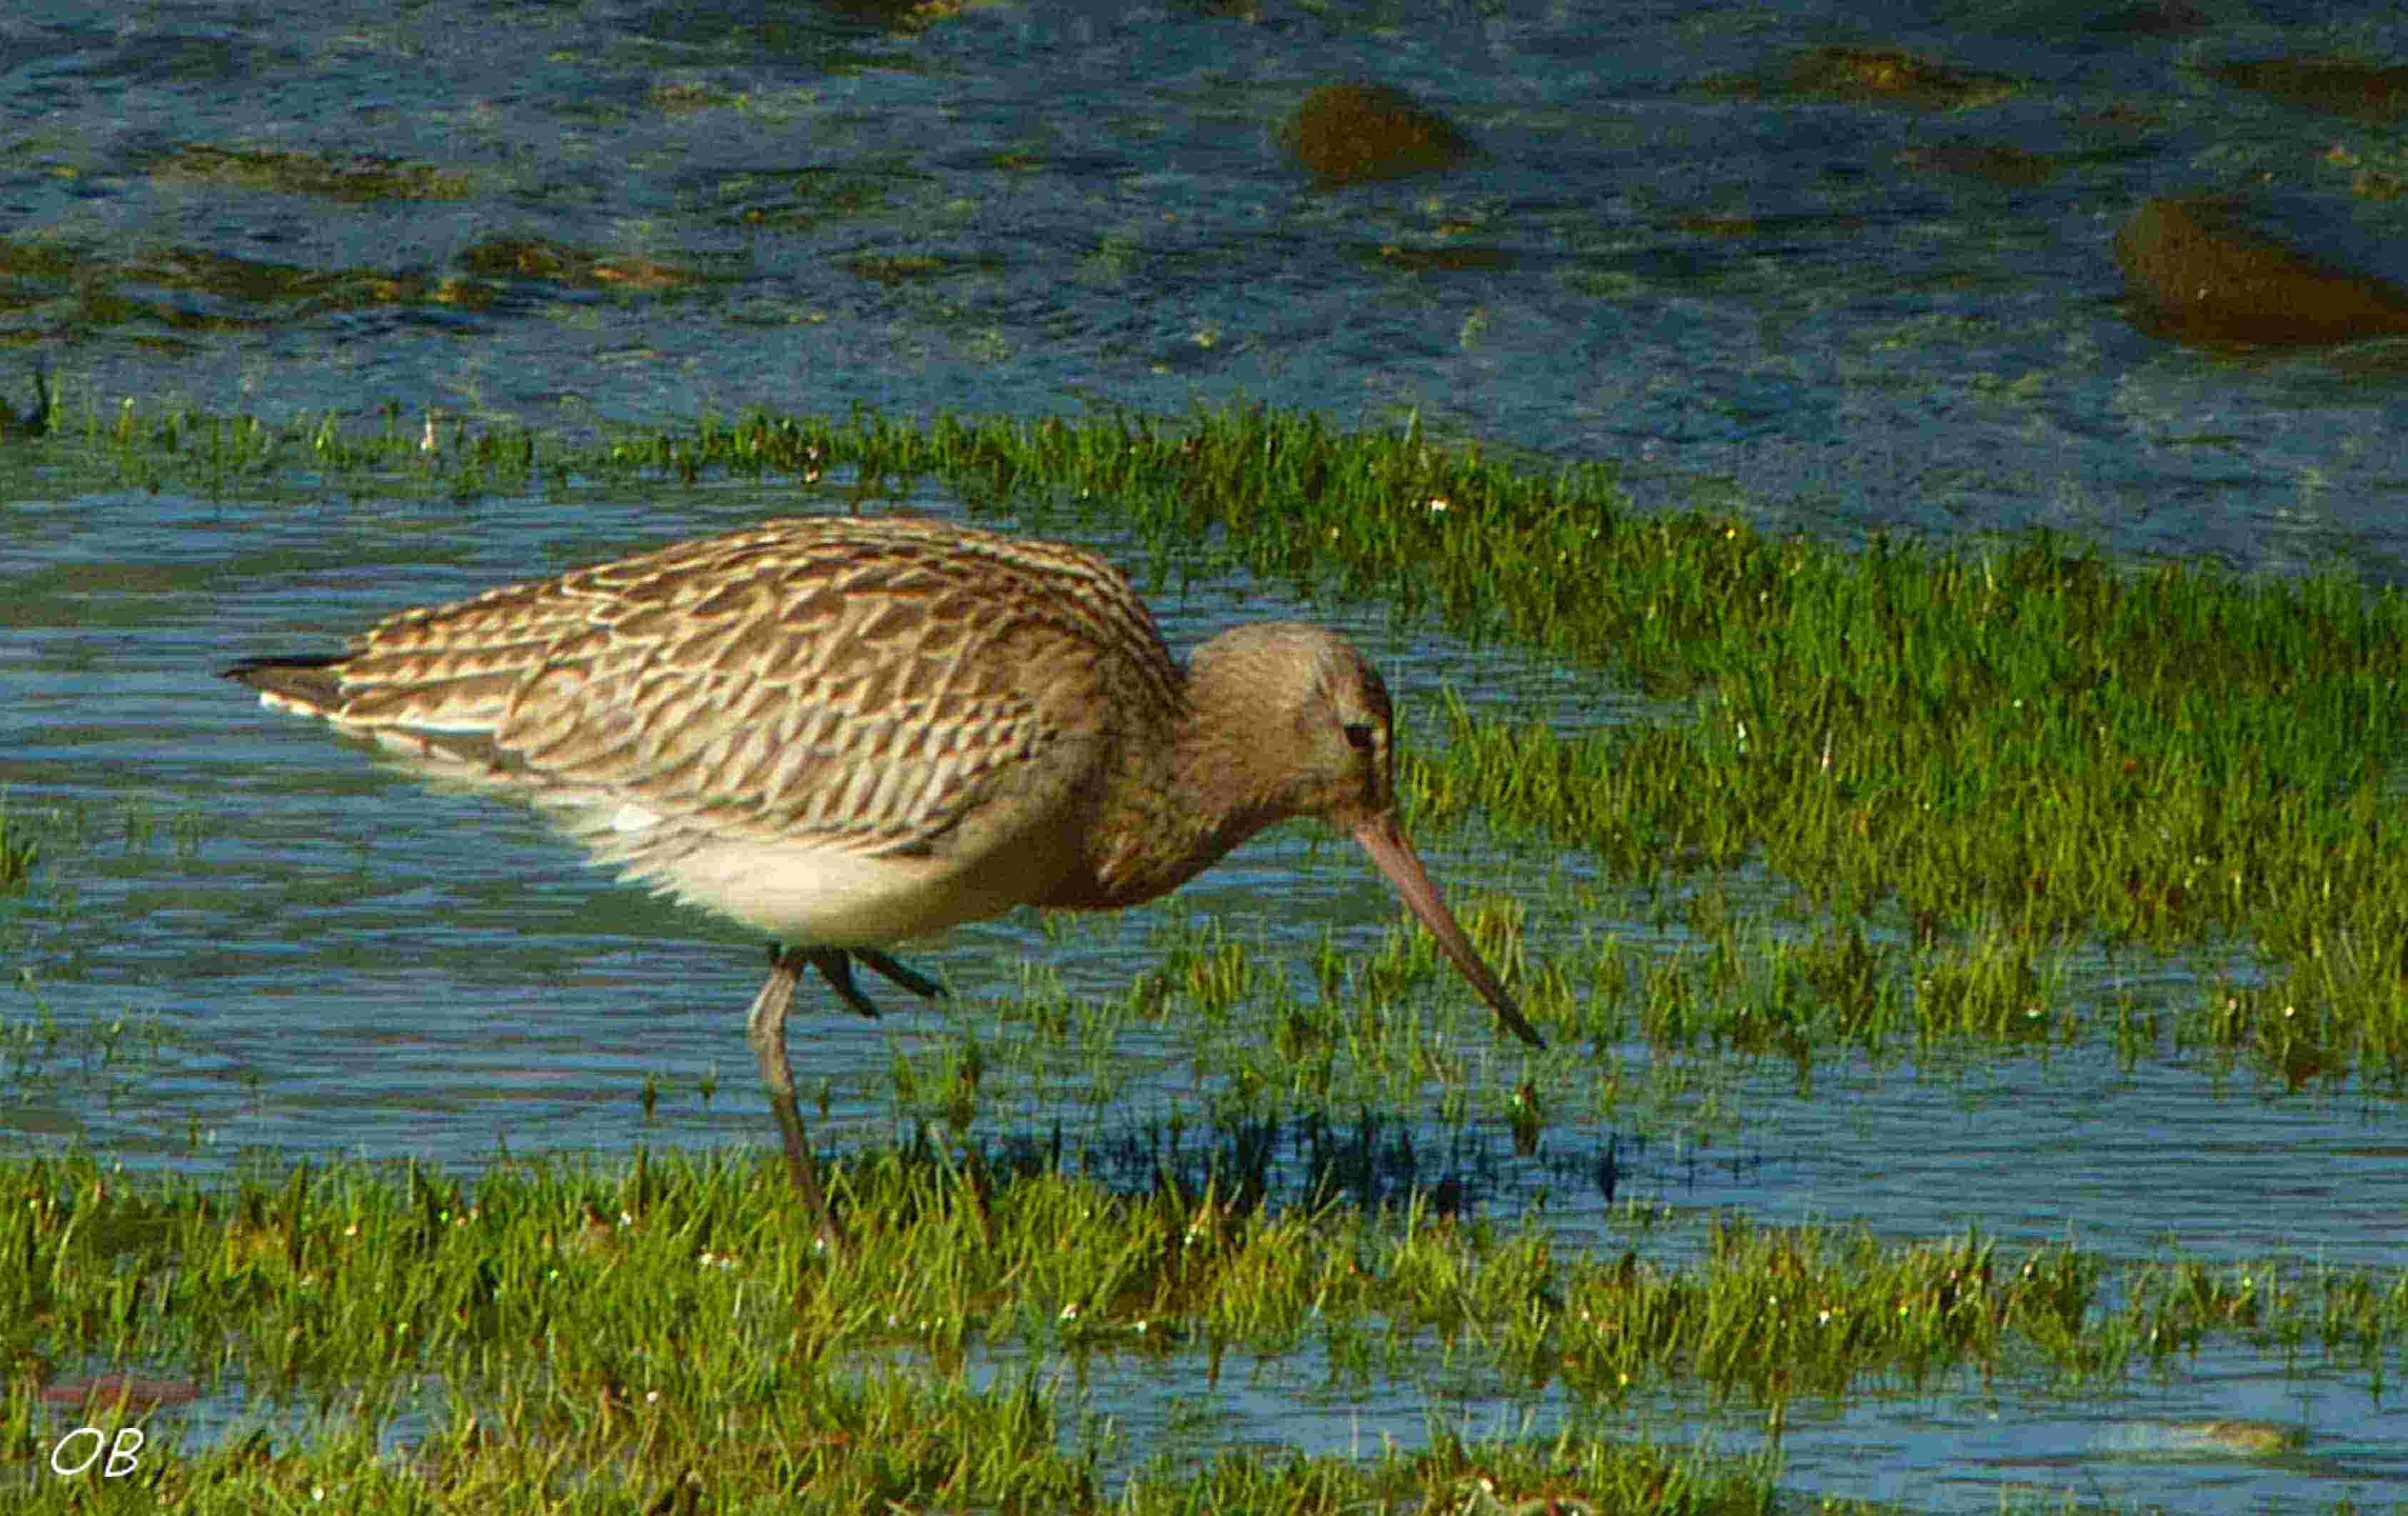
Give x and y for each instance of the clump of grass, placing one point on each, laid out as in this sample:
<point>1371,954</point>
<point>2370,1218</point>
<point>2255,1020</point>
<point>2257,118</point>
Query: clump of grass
<point>2012,744</point>
<point>590,1336</point>
<point>1574,1474</point>
<point>1784,1313</point>
<point>175,446</point>
<point>18,855</point>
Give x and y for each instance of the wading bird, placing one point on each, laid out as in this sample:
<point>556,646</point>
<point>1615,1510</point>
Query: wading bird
<point>847,732</point>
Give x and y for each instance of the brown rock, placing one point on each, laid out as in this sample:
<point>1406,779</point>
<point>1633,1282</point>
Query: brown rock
<point>2197,277</point>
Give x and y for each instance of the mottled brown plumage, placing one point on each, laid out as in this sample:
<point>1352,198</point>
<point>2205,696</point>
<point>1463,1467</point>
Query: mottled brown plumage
<point>849,732</point>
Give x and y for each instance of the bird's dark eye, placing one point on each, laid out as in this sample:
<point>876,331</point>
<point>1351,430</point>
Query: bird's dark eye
<point>1358,736</point>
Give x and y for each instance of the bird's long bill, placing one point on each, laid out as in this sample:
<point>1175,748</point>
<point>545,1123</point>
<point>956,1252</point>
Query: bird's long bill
<point>1396,860</point>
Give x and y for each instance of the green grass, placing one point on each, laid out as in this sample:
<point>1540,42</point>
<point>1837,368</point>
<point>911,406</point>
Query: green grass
<point>586,1336</point>
<point>2000,748</point>
<point>2013,731</point>
<point>1894,800</point>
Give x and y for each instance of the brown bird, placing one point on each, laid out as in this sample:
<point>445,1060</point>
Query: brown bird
<point>847,732</point>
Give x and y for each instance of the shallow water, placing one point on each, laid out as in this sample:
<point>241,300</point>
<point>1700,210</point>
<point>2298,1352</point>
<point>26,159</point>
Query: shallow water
<point>333,959</point>
<point>1102,212</point>
<point>322,957</point>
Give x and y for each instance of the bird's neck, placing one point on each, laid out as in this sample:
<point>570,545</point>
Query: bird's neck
<point>1186,794</point>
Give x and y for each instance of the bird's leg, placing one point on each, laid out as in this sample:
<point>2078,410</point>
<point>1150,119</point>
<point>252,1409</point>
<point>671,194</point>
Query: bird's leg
<point>919,983</point>
<point>766,1027</point>
<point>836,965</point>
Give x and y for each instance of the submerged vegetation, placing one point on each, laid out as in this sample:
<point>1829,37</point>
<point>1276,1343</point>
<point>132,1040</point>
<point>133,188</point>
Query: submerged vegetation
<point>1876,802</point>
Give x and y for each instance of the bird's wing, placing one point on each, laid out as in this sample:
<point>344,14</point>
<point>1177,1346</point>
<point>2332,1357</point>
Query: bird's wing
<point>863,685</point>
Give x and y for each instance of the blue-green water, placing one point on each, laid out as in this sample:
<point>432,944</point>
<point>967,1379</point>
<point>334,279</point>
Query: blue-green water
<point>305,954</point>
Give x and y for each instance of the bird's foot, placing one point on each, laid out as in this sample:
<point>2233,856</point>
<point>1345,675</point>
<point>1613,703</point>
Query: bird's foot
<point>836,966</point>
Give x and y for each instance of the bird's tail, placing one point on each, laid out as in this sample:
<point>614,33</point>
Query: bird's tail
<point>304,684</point>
